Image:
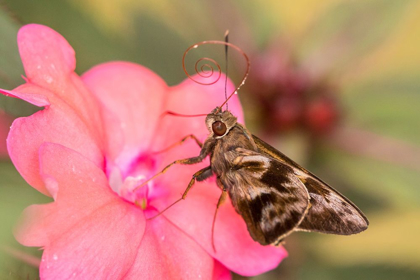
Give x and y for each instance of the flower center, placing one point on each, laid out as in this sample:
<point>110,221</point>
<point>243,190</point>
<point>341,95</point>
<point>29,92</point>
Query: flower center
<point>127,182</point>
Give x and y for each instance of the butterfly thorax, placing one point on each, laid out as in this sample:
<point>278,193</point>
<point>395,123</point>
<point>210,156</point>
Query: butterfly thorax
<point>227,136</point>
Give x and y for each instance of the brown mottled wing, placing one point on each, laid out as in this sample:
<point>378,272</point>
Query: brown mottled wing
<point>330,211</point>
<point>266,193</point>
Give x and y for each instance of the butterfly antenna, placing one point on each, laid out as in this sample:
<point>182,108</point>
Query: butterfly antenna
<point>170,113</point>
<point>227,65</point>
<point>207,70</point>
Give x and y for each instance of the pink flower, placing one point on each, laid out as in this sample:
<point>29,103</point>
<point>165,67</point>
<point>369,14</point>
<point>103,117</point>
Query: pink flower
<point>91,144</point>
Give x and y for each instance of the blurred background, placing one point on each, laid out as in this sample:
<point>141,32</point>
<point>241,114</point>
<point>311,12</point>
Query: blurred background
<point>334,84</point>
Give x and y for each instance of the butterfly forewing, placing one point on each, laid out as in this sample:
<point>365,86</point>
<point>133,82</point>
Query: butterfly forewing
<point>266,193</point>
<point>330,212</point>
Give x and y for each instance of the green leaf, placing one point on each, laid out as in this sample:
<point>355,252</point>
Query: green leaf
<point>15,195</point>
<point>390,240</point>
<point>348,31</point>
<point>386,106</point>
<point>396,185</point>
<point>314,270</point>
<point>10,66</point>
<point>11,69</point>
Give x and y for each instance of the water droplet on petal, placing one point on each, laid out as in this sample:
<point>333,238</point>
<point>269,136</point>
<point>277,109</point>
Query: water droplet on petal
<point>48,79</point>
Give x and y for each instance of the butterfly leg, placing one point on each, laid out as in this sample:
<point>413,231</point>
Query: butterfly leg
<point>205,150</point>
<point>199,176</point>
<point>191,136</point>
<point>222,198</point>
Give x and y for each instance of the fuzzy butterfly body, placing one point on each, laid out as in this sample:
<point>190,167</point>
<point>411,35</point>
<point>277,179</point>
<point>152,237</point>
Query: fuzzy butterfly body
<point>274,195</point>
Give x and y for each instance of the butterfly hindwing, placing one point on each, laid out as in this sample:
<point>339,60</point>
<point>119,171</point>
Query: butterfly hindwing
<point>267,194</point>
<point>330,211</point>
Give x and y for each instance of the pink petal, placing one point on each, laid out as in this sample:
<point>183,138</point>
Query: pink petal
<point>190,98</point>
<point>30,97</point>
<point>88,232</point>
<point>235,248</point>
<point>73,115</point>
<point>136,96</point>
<point>58,123</point>
<point>220,272</point>
<point>102,246</point>
<point>49,62</point>
<point>167,253</point>
<point>45,54</point>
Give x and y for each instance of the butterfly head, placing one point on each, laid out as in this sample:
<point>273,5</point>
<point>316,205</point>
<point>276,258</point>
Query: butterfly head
<point>219,123</point>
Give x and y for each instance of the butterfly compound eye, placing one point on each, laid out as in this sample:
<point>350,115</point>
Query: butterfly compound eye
<point>219,128</point>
